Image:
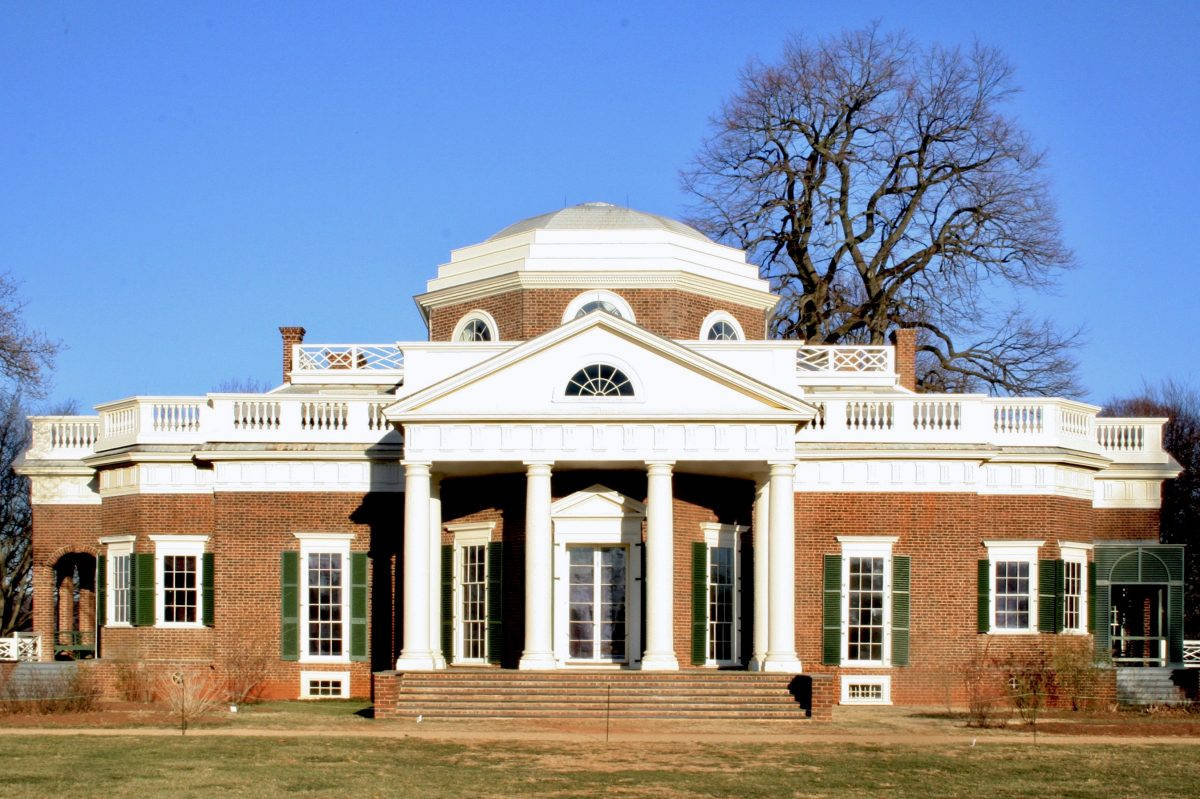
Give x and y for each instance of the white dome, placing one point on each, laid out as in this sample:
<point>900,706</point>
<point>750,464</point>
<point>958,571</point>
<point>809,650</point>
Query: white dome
<point>598,216</point>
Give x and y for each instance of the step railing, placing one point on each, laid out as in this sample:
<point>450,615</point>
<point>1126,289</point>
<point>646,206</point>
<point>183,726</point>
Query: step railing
<point>1191,654</point>
<point>1139,650</point>
<point>21,647</point>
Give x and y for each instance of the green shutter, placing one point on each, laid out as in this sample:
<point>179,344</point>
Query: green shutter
<point>642,592</point>
<point>101,592</point>
<point>699,603</point>
<point>1047,621</point>
<point>447,631</point>
<point>130,582</point>
<point>358,605</point>
<point>1092,604</point>
<point>495,601</point>
<point>901,578</point>
<point>746,598</point>
<point>143,575</point>
<point>831,615</point>
<point>289,605</point>
<point>982,597</point>
<point>208,591</point>
<point>1175,623</point>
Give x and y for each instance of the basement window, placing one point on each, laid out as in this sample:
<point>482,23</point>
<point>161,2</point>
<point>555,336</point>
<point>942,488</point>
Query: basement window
<point>324,685</point>
<point>867,690</point>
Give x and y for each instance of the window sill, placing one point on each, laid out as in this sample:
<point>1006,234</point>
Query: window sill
<point>865,664</point>
<point>118,625</point>
<point>342,659</point>
<point>180,625</point>
<point>1012,632</point>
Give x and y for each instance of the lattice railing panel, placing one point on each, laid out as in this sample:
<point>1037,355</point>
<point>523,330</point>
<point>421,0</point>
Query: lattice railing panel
<point>359,357</point>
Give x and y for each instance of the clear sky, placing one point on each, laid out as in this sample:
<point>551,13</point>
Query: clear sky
<point>177,180</point>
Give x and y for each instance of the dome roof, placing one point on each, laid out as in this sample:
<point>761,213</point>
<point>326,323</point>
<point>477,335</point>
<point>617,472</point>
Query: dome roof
<point>598,216</point>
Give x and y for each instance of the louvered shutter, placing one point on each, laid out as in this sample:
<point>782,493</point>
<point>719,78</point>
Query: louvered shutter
<point>144,588</point>
<point>746,598</point>
<point>699,603</point>
<point>1047,598</point>
<point>207,590</point>
<point>358,605</point>
<point>289,605</point>
<point>901,593</point>
<point>495,601</point>
<point>983,597</point>
<point>831,612</point>
<point>447,592</point>
<point>101,592</point>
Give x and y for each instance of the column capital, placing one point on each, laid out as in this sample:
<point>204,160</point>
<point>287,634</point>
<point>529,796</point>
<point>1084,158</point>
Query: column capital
<point>659,466</point>
<point>416,467</point>
<point>776,468</point>
<point>538,467</point>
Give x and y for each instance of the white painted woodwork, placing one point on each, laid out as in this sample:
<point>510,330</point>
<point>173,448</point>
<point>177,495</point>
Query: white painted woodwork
<point>660,556</point>
<point>539,647</point>
<point>415,654</point>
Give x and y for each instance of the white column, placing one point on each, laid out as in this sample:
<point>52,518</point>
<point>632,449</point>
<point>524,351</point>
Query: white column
<point>762,559</point>
<point>415,654</point>
<point>539,649</point>
<point>781,552</point>
<point>659,576</point>
<point>435,573</point>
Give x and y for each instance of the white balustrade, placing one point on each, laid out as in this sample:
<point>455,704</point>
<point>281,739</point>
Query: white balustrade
<point>937,415</point>
<point>63,437</point>
<point>871,415</point>
<point>1130,440</point>
<point>347,363</point>
<point>836,358</point>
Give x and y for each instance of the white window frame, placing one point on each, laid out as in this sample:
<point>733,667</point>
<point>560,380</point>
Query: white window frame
<point>465,535</point>
<point>482,316</point>
<point>175,545</point>
<point>308,676</point>
<point>882,680</point>
<point>603,295</point>
<point>999,551</point>
<point>867,546</point>
<point>317,544</point>
<point>1077,553</point>
<point>720,316</point>
<point>724,535</point>
<point>116,546</point>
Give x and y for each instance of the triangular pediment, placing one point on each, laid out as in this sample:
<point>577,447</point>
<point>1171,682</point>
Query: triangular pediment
<point>597,502</point>
<point>669,380</point>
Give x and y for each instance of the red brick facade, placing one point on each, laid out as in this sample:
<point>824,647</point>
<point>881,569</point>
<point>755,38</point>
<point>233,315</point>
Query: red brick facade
<point>943,534</point>
<point>526,313</point>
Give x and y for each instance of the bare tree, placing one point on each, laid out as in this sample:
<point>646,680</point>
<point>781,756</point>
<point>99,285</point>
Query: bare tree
<point>26,356</point>
<point>242,385</point>
<point>1180,518</point>
<point>16,550</point>
<point>880,184</point>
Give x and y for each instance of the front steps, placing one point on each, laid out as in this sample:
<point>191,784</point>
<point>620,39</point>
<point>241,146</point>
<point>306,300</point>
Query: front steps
<point>1149,686</point>
<point>497,694</point>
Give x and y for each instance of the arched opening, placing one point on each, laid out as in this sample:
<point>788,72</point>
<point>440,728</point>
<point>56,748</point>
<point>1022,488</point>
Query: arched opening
<point>75,606</point>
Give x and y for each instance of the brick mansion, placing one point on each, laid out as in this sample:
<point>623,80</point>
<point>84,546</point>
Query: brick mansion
<point>599,465</point>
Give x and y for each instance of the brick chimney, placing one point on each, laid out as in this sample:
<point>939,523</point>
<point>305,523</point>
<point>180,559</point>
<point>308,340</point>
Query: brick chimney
<point>904,340</point>
<point>291,337</point>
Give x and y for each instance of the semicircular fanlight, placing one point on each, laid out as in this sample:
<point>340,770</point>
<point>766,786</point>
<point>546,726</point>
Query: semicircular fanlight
<point>599,380</point>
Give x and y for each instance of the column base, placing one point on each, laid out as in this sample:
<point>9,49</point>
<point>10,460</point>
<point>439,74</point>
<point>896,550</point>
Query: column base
<point>659,662</point>
<point>538,662</point>
<point>439,662</point>
<point>755,663</point>
<point>782,664</point>
<point>415,661</point>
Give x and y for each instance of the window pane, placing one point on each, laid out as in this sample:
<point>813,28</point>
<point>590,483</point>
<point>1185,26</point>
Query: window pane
<point>720,604</point>
<point>179,589</point>
<point>325,622</point>
<point>473,601</point>
<point>864,626</point>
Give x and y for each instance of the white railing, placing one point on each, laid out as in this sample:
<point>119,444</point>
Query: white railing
<point>21,646</point>
<point>830,359</point>
<point>1130,440</point>
<point>345,363</point>
<point>1191,654</point>
<point>966,419</point>
<point>151,420</point>
<point>63,437</point>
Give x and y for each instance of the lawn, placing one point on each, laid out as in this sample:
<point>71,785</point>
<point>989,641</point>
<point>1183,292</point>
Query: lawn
<point>140,766</point>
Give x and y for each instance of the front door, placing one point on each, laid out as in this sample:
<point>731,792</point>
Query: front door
<point>599,583</point>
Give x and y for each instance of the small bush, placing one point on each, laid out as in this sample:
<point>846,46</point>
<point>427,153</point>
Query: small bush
<point>245,672</point>
<point>985,694</point>
<point>191,696</point>
<point>135,681</point>
<point>73,693</point>
<point>1076,677</point>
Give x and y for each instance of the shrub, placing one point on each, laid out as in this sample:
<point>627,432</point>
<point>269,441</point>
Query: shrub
<point>1029,678</point>
<point>245,672</point>
<point>135,681</point>
<point>981,683</point>
<point>75,692</point>
<point>191,696</point>
<point>1076,677</point>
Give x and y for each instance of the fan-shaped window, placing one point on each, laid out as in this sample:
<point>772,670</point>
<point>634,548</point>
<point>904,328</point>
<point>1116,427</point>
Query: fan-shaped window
<point>598,305</point>
<point>476,325</point>
<point>475,330</point>
<point>722,331</point>
<point>599,380</point>
<point>721,326</point>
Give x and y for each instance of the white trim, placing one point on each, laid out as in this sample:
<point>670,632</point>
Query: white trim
<point>867,546</point>
<point>1073,552</point>
<point>320,543</point>
<point>601,295</point>
<point>187,546</point>
<point>724,535</point>
<point>306,676</point>
<point>720,316</point>
<point>882,680</point>
<point>468,534</point>
<point>1013,551</point>
<point>481,315</point>
<point>116,546</point>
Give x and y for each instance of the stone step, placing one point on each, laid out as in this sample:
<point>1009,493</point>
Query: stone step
<point>1149,686</point>
<point>497,713</point>
<point>481,701</point>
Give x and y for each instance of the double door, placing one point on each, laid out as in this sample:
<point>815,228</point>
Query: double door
<point>597,603</point>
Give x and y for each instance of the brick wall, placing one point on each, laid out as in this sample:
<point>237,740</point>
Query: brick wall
<point>58,530</point>
<point>527,313</point>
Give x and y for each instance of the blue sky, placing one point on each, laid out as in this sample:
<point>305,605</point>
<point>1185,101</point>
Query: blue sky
<point>178,180</point>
